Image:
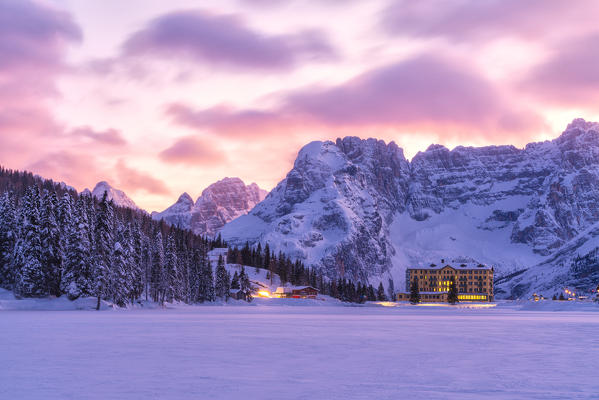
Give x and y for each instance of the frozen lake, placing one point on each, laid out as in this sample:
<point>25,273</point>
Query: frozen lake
<point>299,353</point>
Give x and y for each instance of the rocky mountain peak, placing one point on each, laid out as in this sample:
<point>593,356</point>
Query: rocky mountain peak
<point>117,196</point>
<point>219,203</point>
<point>357,208</point>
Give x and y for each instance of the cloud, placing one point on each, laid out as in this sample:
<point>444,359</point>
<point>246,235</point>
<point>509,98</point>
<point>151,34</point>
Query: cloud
<point>110,137</point>
<point>225,41</point>
<point>570,76</point>
<point>423,93</point>
<point>475,20</point>
<point>130,179</point>
<point>33,41</point>
<point>73,168</point>
<point>193,151</point>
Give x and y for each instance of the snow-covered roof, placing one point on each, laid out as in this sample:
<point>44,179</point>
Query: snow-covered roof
<point>289,289</point>
<point>454,265</point>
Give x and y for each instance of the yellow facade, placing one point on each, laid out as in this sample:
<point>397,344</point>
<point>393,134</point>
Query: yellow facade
<point>473,284</point>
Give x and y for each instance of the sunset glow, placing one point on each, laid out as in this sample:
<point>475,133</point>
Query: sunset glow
<point>160,98</point>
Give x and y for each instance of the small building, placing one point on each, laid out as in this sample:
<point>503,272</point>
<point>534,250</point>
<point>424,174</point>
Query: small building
<point>237,294</point>
<point>296,292</point>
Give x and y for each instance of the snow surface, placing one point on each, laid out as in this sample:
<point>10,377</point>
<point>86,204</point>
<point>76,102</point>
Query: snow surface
<point>265,352</point>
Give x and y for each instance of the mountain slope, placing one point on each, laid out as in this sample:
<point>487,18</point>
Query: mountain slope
<point>358,208</point>
<point>219,203</point>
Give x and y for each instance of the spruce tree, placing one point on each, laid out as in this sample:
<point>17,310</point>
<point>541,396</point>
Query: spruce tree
<point>222,286</point>
<point>8,236</point>
<point>207,288</point>
<point>380,293</point>
<point>452,295</point>
<point>391,290</point>
<point>169,278</point>
<point>246,287</point>
<point>119,283</point>
<point>235,281</point>
<point>414,292</point>
<point>157,267</point>
<point>51,244</point>
<point>77,276</point>
<point>30,280</point>
<point>103,248</point>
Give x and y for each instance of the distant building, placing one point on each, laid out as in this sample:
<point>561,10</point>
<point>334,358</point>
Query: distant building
<point>237,294</point>
<point>473,281</point>
<point>296,292</point>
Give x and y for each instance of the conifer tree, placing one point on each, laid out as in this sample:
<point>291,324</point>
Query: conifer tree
<point>235,281</point>
<point>137,270</point>
<point>391,290</point>
<point>207,290</point>
<point>452,295</point>
<point>169,278</point>
<point>414,292</point>
<point>8,236</point>
<point>119,282</point>
<point>30,280</point>
<point>157,267</point>
<point>103,248</point>
<point>246,287</point>
<point>380,293</point>
<point>77,276</point>
<point>51,244</point>
<point>222,285</point>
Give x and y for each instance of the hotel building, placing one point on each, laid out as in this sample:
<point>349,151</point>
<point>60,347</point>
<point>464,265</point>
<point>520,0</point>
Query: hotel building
<point>473,281</point>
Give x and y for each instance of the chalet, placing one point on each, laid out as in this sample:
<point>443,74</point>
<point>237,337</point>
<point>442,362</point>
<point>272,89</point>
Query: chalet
<point>296,292</point>
<point>237,294</point>
<point>474,281</point>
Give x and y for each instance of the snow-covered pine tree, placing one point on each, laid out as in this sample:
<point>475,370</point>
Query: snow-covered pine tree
<point>76,278</point>
<point>194,276</point>
<point>157,267</point>
<point>206,291</point>
<point>51,246</point>
<point>103,247</point>
<point>235,281</point>
<point>380,293</point>
<point>222,286</point>
<point>391,290</point>
<point>137,262</point>
<point>414,292</point>
<point>452,295</point>
<point>30,280</point>
<point>182,280</point>
<point>8,236</point>
<point>146,259</point>
<point>169,278</point>
<point>246,287</point>
<point>118,288</point>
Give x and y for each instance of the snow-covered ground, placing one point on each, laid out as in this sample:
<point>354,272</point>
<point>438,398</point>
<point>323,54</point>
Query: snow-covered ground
<point>272,352</point>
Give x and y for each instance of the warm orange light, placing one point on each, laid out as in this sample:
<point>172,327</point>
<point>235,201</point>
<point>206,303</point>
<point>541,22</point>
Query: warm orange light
<point>263,293</point>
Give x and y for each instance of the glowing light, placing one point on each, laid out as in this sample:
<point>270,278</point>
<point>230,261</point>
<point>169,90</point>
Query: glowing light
<point>263,293</point>
<point>387,303</point>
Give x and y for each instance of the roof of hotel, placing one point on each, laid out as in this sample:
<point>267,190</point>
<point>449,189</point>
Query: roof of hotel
<point>458,265</point>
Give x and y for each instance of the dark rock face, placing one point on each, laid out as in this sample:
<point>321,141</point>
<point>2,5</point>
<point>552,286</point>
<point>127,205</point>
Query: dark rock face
<point>219,203</point>
<point>335,207</point>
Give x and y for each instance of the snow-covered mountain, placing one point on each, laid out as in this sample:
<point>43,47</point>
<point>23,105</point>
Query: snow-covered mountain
<point>219,203</point>
<point>117,196</point>
<point>358,208</point>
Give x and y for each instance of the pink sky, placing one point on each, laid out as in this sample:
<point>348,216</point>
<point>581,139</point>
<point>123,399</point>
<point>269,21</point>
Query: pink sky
<point>162,97</point>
